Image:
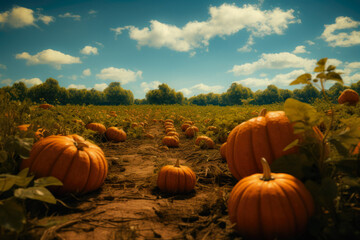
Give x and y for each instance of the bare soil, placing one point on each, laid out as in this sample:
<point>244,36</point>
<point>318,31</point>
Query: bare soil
<point>130,206</point>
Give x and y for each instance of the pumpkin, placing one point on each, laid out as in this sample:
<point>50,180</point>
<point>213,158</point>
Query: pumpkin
<point>170,130</point>
<point>80,165</point>
<point>204,142</point>
<point>45,106</point>
<point>349,97</point>
<point>170,141</point>
<point>115,134</point>
<point>269,205</point>
<point>23,127</point>
<point>184,126</point>
<point>172,133</point>
<point>223,151</point>
<point>176,178</point>
<point>97,127</point>
<point>263,136</point>
<point>191,131</point>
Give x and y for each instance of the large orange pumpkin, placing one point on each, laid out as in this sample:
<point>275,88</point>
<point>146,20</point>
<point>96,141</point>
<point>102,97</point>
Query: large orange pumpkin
<point>80,165</point>
<point>270,206</point>
<point>176,178</point>
<point>349,97</point>
<point>97,127</point>
<point>171,141</point>
<point>115,134</point>
<point>263,136</point>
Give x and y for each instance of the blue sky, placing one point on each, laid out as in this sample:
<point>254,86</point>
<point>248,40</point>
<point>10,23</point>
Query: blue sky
<point>193,46</point>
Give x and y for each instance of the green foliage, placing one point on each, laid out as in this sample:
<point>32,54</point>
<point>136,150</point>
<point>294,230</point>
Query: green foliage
<point>164,95</point>
<point>14,190</point>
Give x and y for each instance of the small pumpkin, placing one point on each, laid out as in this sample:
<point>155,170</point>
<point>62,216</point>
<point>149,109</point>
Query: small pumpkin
<point>170,141</point>
<point>191,131</point>
<point>223,151</point>
<point>97,127</point>
<point>270,205</point>
<point>80,165</point>
<point>45,106</point>
<point>349,97</point>
<point>172,133</point>
<point>176,178</point>
<point>184,126</point>
<point>205,142</point>
<point>23,127</point>
<point>115,134</point>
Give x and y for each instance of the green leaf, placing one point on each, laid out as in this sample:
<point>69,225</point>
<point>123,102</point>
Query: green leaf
<point>349,136</point>
<point>302,114</point>
<point>7,181</point>
<point>47,181</point>
<point>321,65</point>
<point>36,193</point>
<point>23,173</point>
<point>334,76</point>
<point>330,68</point>
<point>21,146</point>
<point>3,156</point>
<point>291,145</point>
<point>12,215</point>
<point>302,79</point>
<point>321,75</point>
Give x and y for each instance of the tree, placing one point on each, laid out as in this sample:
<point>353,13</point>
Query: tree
<point>18,91</point>
<point>116,95</point>
<point>270,95</point>
<point>164,95</point>
<point>335,91</point>
<point>236,93</point>
<point>307,94</point>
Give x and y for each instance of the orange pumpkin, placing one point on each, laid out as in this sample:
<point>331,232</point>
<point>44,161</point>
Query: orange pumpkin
<point>45,106</point>
<point>349,97</point>
<point>223,151</point>
<point>170,141</point>
<point>23,127</point>
<point>263,136</point>
<point>184,126</point>
<point>80,165</point>
<point>204,142</point>
<point>97,127</point>
<point>176,178</point>
<point>115,134</point>
<point>191,131</point>
<point>270,206</point>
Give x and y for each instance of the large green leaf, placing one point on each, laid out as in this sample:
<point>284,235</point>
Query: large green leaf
<point>47,181</point>
<point>7,181</point>
<point>321,65</point>
<point>36,193</point>
<point>350,135</point>
<point>302,114</point>
<point>330,68</point>
<point>12,215</point>
<point>334,76</point>
<point>302,79</point>
<point>21,146</point>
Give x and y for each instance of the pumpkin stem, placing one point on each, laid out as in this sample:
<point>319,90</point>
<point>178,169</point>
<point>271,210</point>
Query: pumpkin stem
<point>80,145</point>
<point>266,170</point>
<point>263,112</point>
<point>177,164</point>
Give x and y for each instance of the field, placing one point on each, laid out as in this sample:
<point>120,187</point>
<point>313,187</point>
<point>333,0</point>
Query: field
<point>129,205</point>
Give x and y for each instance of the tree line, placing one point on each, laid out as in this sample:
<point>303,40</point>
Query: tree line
<point>237,94</point>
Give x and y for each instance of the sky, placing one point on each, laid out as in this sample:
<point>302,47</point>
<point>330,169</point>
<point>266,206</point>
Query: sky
<point>193,46</point>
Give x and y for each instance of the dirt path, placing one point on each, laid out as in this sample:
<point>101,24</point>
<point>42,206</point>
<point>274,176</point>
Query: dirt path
<point>130,206</point>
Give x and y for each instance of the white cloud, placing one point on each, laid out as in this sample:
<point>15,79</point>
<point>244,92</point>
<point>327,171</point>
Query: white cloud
<point>92,12</point>
<point>254,82</point>
<point>80,86</point>
<point>119,30</point>
<point>88,50</point>
<point>46,19</point>
<point>6,82</point>
<point>353,65</point>
<point>50,57</point>
<point>201,88</point>
<point>300,49</point>
<point>310,42</point>
<point>73,77</point>
<point>86,72</point>
<point>70,15</point>
<point>351,79</point>
<point>185,91</point>
<point>342,39</point>
<point>19,17</point>
<point>121,75</point>
<point>30,82</point>
<point>224,20</point>
<point>149,86</point>
<point>100,86</point>
<point>2,66</point>
<point>247,46</point>
<point>274,61</point>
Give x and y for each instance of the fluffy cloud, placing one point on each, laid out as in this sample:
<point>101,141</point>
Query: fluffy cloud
<point>70,15</point>
<point>342,39</point>
<point>30,82</point>
<point>274,61</point>
<point>353,65</point>
<point>86,72</point>
<point>310,42</point>
<point>48,56</point>
<point>100,86</point>
<point>121,75</point>
<point>351,79</point>
<point>88,50</point>
<point>300,49</point>
<point>148,86</point>
<point>201,88</point>
<point>80,86</point>
<point>19,17</point>
<point>6,82</point>
<point>224,20</point>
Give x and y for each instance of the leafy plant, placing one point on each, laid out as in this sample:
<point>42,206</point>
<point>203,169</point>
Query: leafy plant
<point>329,169</point>
<point>14,190</point>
